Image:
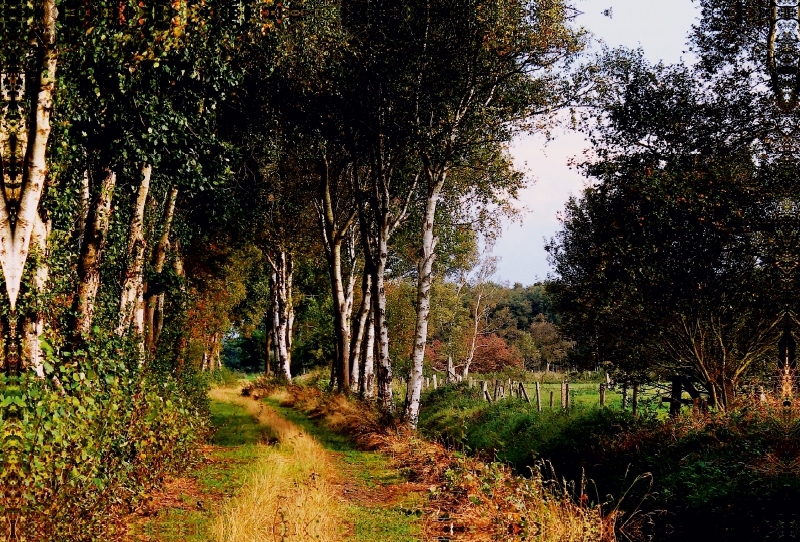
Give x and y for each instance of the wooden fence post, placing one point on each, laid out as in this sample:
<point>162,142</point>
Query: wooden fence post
<point>566,394</point>
<point>523,392</point>
<point>435,384</point>
<point>538,397</point>
<point>552,393</point>
<point>563,395</point>
<point>602,395</point>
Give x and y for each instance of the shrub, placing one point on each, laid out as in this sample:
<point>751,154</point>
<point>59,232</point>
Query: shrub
<point>83,445</point>
<point>225,377</point>
<point>722,473</point>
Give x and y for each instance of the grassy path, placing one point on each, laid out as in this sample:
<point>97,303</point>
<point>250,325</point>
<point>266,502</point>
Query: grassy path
<point>272,474</point>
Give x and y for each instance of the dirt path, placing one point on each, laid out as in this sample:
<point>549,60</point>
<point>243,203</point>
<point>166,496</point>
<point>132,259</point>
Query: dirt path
<point>275,475</point>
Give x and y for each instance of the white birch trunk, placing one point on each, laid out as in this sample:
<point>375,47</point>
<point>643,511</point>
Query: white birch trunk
<point>132,287</point>
<point>283,272</point>
<point>340,322</point>
<point>359,332</point>
<point>425,277</point>
<point>94,241</point>
<point>475,332</point>
<point>367,384</point>
<point>34,325</point>
<point>86,195</point>
<point>34,130</point>
<point>384,372</point>
<point>334,234</point>
<point>155,303</point>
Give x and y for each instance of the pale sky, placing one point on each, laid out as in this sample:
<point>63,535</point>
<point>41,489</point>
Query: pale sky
<point>660,28</point>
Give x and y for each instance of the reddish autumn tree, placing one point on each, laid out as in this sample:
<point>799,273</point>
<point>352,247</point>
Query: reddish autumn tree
<point>494,354</point>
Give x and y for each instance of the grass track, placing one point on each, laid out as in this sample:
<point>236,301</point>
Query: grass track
<point>273,474</point>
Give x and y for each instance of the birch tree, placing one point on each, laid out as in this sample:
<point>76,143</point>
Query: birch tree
<point>476,70</point>
<point>24,134</point>
<point>133,281</point>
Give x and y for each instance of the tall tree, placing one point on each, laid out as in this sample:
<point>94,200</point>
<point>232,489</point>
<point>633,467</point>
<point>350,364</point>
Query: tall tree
<point>660,266</point>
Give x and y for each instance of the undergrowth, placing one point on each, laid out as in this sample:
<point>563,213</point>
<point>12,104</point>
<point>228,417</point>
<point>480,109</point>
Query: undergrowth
<point>704,475</point>
<point>86,444</point>
<point>468,498</point>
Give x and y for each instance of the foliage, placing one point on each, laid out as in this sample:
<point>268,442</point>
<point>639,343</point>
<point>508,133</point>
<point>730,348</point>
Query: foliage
<point>314,343</point>
<point>92,439</point>
<point>660,264</point>
<point>733,469</point>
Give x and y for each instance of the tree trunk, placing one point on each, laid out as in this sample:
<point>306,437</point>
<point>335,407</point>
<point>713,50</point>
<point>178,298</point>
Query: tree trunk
<point>289,323</point>
<point>95,233</point>
<point>182,342</point>
<point>33,325</point>
<point>384,372</point>
<point>675,398</point>
<point>375,234</point>
<point>27,138</point>
<point>341,324</point>
<point>132,287</point>
<point>267,343</point>
<point>217,352</point>
<point>424,280</point>
<point>474,343</point>
<point>86,199</point>
<point>359,332</point>
<point>211,353</point>
<point>334,234</point>
<point>155,301</point>
<point>283,271</point>
<point>367,384</point>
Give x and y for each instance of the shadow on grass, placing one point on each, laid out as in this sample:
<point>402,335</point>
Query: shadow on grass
<point>233,426</point>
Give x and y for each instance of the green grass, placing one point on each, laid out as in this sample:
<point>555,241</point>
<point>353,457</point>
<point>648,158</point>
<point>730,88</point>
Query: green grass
<point>235,427</point>
<point>394,522</point>
<point>237,435</point>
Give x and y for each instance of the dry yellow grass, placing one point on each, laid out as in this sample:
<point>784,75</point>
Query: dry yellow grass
<point>290,494</point>
<point>469,500</point>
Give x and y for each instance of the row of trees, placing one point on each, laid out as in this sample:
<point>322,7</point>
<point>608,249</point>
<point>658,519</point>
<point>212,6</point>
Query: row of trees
<point>379,144</point>
<point>169,168</point>
<point>475,327</point>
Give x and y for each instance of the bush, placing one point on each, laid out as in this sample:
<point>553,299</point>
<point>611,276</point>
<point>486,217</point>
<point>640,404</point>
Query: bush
<point>85,444</point>
<point>225,377</point>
